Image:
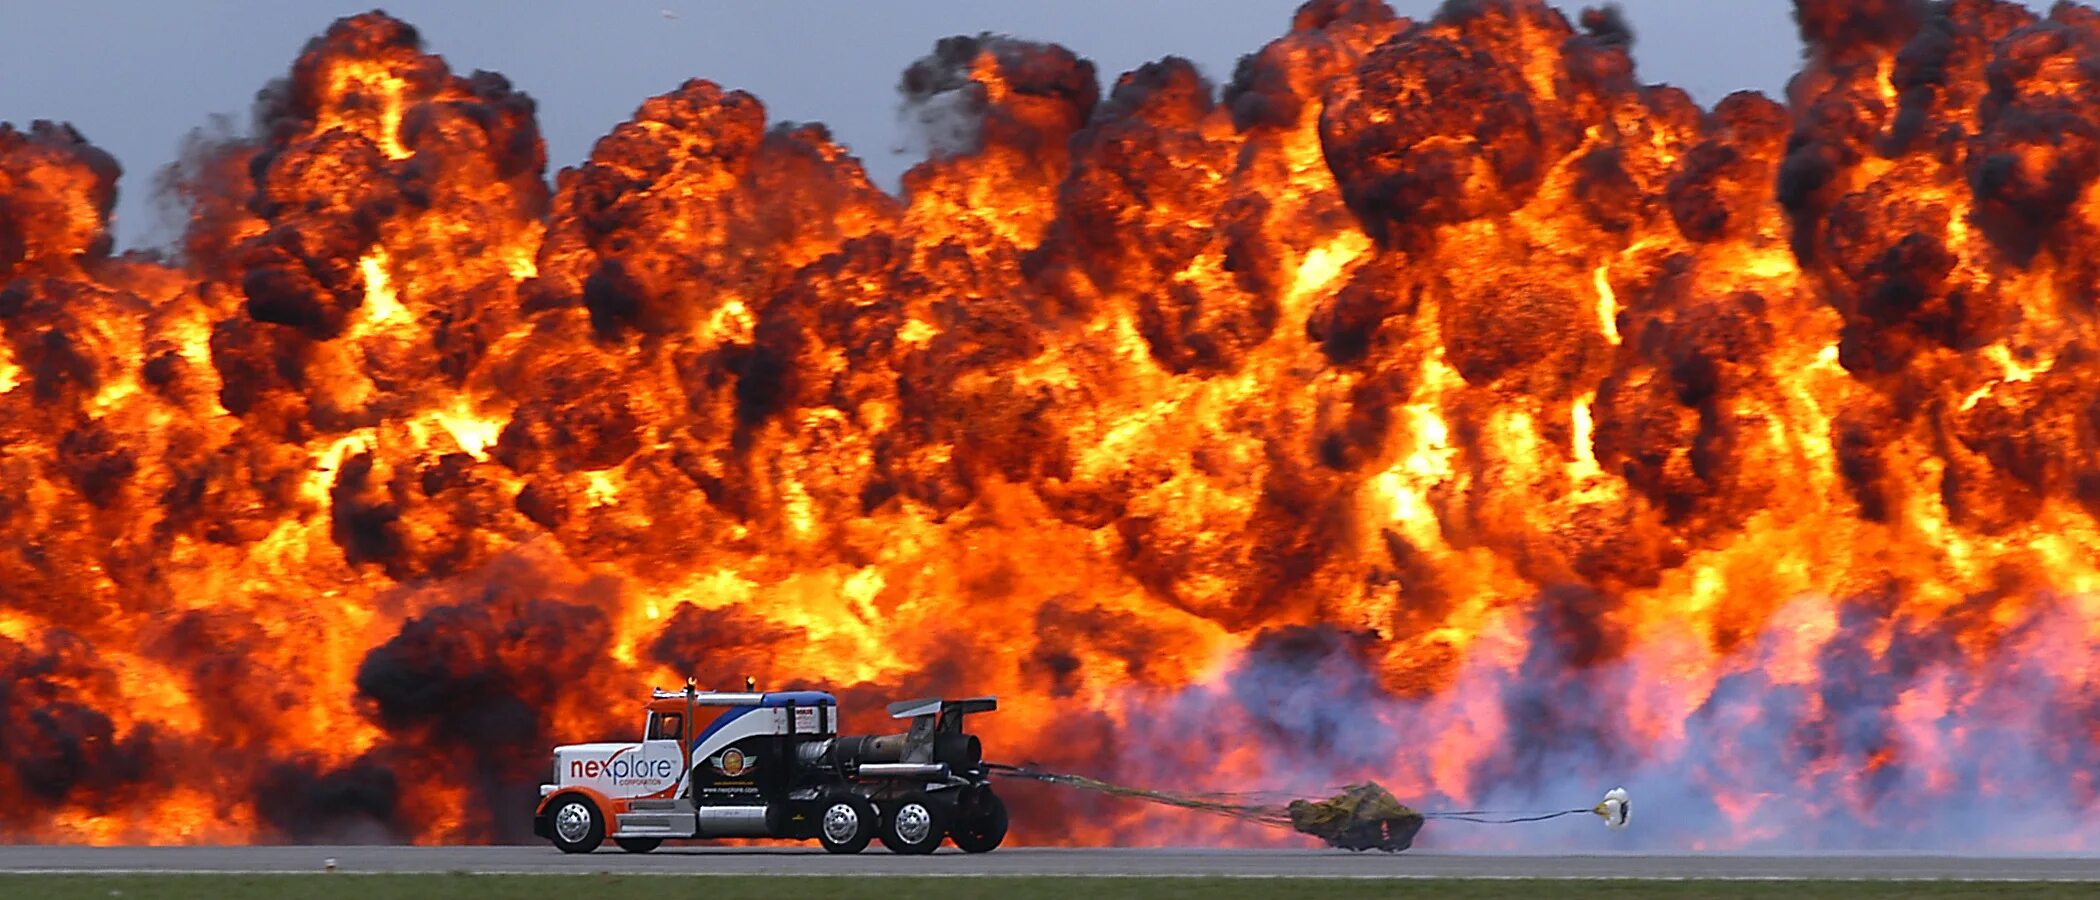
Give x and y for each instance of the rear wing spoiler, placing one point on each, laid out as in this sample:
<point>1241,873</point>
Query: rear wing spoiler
<point>936,733</point>
<point>931,706</point>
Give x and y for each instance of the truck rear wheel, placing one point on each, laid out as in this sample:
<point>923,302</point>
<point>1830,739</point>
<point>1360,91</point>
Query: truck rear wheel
<point>577,826</point>
<point>845,823</point>
<point>984,829</point>
<point>913,825</point>
<point>638,845</point>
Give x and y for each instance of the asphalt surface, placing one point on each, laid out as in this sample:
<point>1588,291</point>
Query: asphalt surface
<point>683,860</point>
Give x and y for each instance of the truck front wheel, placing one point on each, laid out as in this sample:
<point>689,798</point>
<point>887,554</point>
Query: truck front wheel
<point>576,825</point>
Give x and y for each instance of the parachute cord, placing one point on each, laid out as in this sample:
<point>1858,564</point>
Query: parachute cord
<point>1480,816</point>
<point>1222,804</point>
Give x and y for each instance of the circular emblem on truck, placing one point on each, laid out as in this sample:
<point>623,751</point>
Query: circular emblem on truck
<point>733,762</point>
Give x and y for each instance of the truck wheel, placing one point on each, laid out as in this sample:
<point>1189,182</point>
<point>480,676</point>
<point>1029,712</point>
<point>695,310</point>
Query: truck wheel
<point>983,832</point>
<point>845,823</point>
<point>638,845</point>
<point>578,828</point>
<point>913,825</point>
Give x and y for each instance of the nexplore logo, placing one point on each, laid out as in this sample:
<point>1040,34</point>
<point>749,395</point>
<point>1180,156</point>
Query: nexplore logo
<point>622,769</point>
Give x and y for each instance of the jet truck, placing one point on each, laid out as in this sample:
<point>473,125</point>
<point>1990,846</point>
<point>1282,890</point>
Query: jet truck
<point>751,764</point>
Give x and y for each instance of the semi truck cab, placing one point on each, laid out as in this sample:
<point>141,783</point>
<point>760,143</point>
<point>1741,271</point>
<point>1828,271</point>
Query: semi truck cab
<point>751,764</point>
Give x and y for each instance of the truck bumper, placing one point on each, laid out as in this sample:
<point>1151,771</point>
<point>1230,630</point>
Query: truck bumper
<point>540,826</point>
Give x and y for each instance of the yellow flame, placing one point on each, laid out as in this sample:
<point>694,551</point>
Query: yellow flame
<point>861,588</point>
<point>193,337</point>
<point>382,309</point>
<point>1322,266</point>
<point>1406,485</point>
<point>916,331</point>
<point>799,508</point>
<point>370,77</point>
<point>475,433</point>
<point>732,322</point>
<point>520,262</point>
<point>2012,372</point>
<point>1585,465</point>
<point>322,476</point>
<point>380,300</point>
<point>1607,306</point>
<point>114,391</point>
<point>13,627</point>
<point>601,489</point>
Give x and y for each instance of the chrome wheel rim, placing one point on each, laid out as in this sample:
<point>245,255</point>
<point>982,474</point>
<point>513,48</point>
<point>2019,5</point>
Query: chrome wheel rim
<point>914,823</point>
<point>572,822</point>
<point>841,822</point>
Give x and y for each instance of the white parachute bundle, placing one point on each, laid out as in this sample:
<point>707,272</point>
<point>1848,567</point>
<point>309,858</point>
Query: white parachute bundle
<point>1616,809</point>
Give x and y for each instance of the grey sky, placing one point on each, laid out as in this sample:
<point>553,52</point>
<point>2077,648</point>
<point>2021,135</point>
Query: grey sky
<point>136,75</point>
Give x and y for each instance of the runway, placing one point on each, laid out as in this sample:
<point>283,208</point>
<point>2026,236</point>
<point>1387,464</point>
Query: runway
<point>677,860</point>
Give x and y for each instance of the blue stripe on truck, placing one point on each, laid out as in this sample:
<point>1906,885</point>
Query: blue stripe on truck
<point>722,721</point>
